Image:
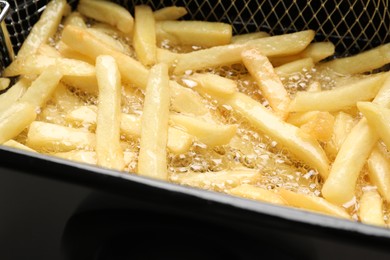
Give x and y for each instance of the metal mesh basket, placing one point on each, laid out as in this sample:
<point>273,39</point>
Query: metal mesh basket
<point>352,25</point>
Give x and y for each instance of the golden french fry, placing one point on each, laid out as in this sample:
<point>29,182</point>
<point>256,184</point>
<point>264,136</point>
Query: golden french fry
<point>243,38</point>
<point>208,133</point>
<point>44,29</point>
<point>109,40</point>
<point>216,84</point>
<point>371,208</point>
<point>320,126</point>
<point>166,56</point>
<point>79,156</point>
<point>64,99</point>
<point>76,19</point>
<point>51,137</point>
<point>108,12</point>
<point>47,50</point>
<point>257,193</point>
<point>271,86</point>
<point>36,64</point>
<point>42,88</point>
<point>169,13</point>
<point>144,40</point>
<point>362,62</point>
<point>152,159</point>
<point>229,54</point>
<point>17,145</point>
<point>4,83</point>
<point>378,119</point>
<point>379,172</point>
<point>15,119</point>
<point>313,203</point>
<point>294,67</point>
<point>108,114</point>
<point>317,51</point>
<point>14,93</point>
<point>67,52</point>
<point>179,141</point>
<point>346,96</point>
<point>194,33</point>
<point>220,181</point>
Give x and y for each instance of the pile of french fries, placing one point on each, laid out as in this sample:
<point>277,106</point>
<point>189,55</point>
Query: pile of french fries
<point>269,118</point>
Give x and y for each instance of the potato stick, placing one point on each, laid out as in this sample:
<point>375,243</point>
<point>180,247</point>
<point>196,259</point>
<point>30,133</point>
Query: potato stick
<point>379,172</point>
<point>194,33</point>
<point>301,118</point>
<point>229,54</point>
<point>76,19</point>
<point>15,119</point>
<point>14,93</point>
<point>371,208</point>
<point>47,50</point>
<point>152,160</point>
<point>80,40</point>
<point>79,156</point>
<point>346,95</point>
<point>313,203</point>
<point>108,12</point>
<point>42,88</point>
<point>317,51</point>
<point>84,115</point>
<point>4,83</point>
<point>51,137</point>
<point>36,64</point>
<point>320,127</point>
<point>271,86</point>
<point>339,188</point>
<point>110,41</point>
<point>109,114</point>
<point>257,193</point>
<point>64,99</point>
<point>17,145</point>
<point>300,144</point>
<point>243,38</point>
<point>362,62</point>
<point>315,86</point>
<point>169,13</point>
<point>166,56</point>
<point>208,133</point>
<point>179,141</point>
<point>108,29</point>
<point>67,52</point>
<point>219,181</point>
<point>294,67</point>
<point>44,29</point>
<point>144,39</point>
<point>216,84</point>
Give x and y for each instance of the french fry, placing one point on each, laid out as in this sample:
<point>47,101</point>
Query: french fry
<point>220,181</point>
<point>152,160</point>
<point>82,156</point>
<point>294,67</point>
<point>169,13</point>
<point>108,40</point>
<point>313,203</point>
<point>144,40</point>
<point>108,12</point>
<point>229,54</point>
<point>216,84</point>
<point>346,95</point>
<point>362,62</point>
<point>44,29</point>
<point>379,172</point>
<point>243,38</point>
<point>14,93</point>
<point>317,51</point>
<point>378,119</point>
<point>109,114</point>
<point>166,56</point>
<point>36,64</point>
<point>42,88</point>
<point>47,50</point>
<point>371,208</point>
<point>64,99</point>
<point>67,52</point>
<point>179,141</point>
<point>194,33</point>
<point>76,19</point>
<point>15,119</point>
<point>320,127</point>
<point>303,146</point>
<point>4,83</point>
<point>271,86</point>
<point>15,144</point>
<point>257,193</point>
<point>208,133</point>
<point>49,137</point>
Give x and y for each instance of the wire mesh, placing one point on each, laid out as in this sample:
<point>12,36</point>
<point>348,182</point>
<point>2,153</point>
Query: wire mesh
<point>352,25</point>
